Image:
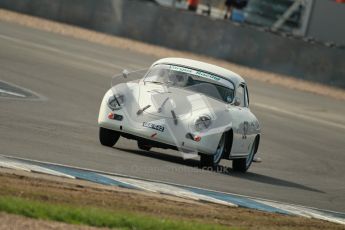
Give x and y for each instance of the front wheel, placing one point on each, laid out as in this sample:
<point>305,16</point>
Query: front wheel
<point>243,164</point>
<point>108,137</point>
<point>212,161</point>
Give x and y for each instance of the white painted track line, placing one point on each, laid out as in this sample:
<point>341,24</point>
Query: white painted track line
<point>11,93</point>
<point>299,115</point>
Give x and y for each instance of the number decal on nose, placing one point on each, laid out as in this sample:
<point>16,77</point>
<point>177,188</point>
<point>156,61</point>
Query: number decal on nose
<point>245,130</point>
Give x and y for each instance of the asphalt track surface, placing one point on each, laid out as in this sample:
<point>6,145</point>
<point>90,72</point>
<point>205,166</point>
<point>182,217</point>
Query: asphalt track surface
<point>302,146</point>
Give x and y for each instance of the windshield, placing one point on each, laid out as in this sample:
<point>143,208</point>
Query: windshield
<point>192,79</point>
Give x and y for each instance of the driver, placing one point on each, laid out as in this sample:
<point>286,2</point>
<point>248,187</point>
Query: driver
<point>162,75</point>
<point>179,80</point>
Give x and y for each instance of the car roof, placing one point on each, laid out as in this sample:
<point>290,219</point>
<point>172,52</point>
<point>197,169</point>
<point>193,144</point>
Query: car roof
<point>234,77</point>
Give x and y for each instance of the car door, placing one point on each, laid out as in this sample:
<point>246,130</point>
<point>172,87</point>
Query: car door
<point>249,123</point>
<point>240,123</point>
<point>253,124</point>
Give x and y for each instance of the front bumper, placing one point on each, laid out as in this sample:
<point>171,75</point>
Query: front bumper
<point>175,136</point>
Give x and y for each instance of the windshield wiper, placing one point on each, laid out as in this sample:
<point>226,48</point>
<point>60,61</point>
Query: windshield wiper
<point>140,111</point>
<point>174,116</point>
<point>168,83</point>
<point>157,91</point>
<point>156,82</point>
<point>161,107</point>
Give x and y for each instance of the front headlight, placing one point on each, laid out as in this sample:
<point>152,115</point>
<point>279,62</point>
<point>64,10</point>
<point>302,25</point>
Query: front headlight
<point>203,122</point>
<point>116,102</point>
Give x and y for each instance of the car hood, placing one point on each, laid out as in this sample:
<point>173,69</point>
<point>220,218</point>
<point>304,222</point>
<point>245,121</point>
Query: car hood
<point>160,101</point>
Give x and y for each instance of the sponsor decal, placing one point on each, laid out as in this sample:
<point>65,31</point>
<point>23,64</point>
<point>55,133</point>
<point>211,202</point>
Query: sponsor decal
<point>153,126</point>
<point>195,72</point>
<point>208,76</point>
<point>182,69</point>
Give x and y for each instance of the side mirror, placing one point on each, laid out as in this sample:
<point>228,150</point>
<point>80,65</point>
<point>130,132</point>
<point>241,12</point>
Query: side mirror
<point>237,101</point>
<point>125,73</point>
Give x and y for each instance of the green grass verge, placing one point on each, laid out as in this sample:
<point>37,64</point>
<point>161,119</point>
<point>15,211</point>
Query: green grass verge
<point>93,216</point>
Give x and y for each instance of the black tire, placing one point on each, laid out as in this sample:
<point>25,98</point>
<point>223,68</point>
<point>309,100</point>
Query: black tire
<point>206,161</point>
<point>143,146</point>
<point>212,161</point>
<point>108,137</point>
<point>243,164</point>
<point>240,165</point>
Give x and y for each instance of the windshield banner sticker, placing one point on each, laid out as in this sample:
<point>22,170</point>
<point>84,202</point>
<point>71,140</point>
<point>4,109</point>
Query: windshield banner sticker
<point>199,73</point>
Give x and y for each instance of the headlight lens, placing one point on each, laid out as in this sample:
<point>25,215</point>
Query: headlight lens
<point>115,102</point>
<point>203,122</point>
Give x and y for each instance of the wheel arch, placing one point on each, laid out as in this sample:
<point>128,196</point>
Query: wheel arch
<point>230,137</point>
<point>257,143</point>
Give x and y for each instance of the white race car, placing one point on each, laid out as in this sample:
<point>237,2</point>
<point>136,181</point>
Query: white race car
<point>185,105</point>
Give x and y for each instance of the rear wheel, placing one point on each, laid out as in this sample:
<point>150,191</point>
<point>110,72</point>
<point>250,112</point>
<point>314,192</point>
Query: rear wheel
<point>108,137</point>
<point>212,161</point>
<point>143,146</point>
<point>243,164</point>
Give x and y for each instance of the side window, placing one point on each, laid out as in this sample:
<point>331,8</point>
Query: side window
<point>240,93</point>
